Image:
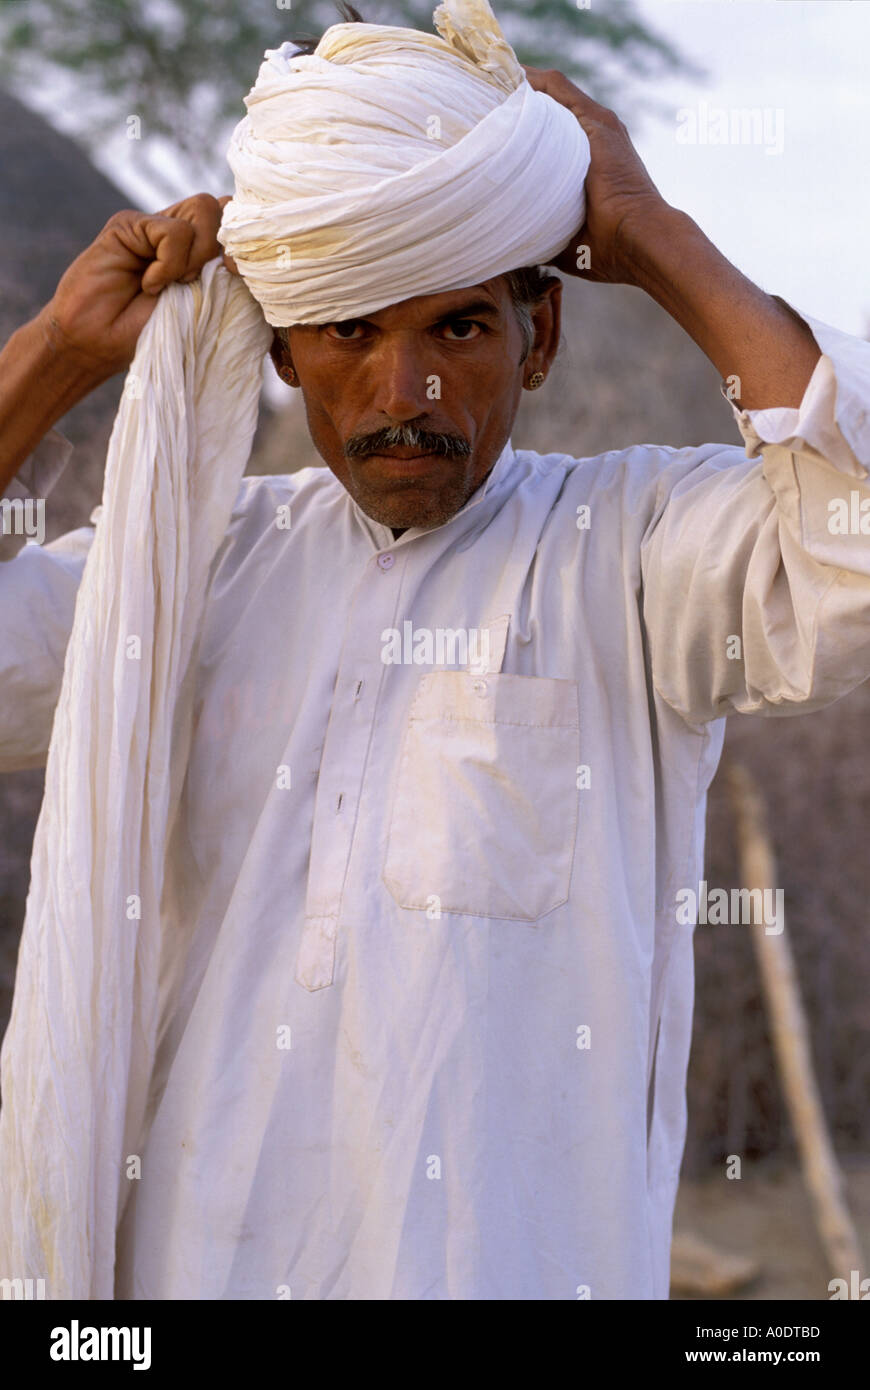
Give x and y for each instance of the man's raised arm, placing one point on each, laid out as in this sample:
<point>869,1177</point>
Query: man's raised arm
<point>756,572</point>
<point>88,331</point>
<point>632,236</point>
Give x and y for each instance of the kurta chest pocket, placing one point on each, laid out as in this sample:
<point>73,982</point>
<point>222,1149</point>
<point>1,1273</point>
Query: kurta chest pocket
<point>484,814</point>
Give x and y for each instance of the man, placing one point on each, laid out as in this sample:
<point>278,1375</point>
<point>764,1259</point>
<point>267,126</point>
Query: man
<point>432,1035</point>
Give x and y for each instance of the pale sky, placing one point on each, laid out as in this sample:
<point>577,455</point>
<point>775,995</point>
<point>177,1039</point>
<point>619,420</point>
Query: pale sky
<point>795,222</point>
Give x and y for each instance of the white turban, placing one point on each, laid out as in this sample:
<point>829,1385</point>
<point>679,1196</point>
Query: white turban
<point>392,163</point>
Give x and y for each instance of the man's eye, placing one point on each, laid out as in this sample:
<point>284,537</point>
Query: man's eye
<point>462,329</point>
<point>350,328</point>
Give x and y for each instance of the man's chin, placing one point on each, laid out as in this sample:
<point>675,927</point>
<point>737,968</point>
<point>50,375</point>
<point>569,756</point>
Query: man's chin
<point>408,507</point>
<point>404,517</point>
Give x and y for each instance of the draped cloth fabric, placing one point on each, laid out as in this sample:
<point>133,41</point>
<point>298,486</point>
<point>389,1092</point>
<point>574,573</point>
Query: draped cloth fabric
<point>93,970</point>
<point>391,163</point>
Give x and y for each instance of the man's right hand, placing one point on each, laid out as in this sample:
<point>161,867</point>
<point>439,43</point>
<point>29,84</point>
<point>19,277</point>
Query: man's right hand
<point>107,295</point>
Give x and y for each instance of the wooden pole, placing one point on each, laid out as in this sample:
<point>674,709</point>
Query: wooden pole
<point>791,1036</point>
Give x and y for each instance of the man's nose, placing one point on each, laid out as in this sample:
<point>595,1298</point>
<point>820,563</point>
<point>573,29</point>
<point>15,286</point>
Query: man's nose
<point>401,382</point>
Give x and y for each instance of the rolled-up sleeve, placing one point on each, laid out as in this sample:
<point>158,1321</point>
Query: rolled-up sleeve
<point>756,565</point>
<point>38,591</point>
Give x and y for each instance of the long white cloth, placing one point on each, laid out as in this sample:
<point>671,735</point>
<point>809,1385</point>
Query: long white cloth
<point>79,1051</point>
<point>392,163</point>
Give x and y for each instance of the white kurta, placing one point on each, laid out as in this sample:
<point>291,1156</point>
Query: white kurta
<point>358,1097</point>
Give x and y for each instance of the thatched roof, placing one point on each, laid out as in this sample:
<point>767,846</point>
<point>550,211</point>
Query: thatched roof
<point>54,203</point>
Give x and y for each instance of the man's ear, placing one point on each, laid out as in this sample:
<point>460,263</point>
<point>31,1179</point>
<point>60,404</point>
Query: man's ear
<point>547,322</point>
<point>282,361</point>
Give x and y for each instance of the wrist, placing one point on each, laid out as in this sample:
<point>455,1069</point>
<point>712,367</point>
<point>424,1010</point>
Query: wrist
<point>71,370</point>
<point>650,241</point>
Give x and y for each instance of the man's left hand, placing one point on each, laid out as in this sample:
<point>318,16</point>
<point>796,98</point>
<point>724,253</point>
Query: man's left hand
<point>619,191</point>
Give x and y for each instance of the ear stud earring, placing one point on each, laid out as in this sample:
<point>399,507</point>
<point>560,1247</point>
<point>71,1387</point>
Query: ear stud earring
<point>535,380</point>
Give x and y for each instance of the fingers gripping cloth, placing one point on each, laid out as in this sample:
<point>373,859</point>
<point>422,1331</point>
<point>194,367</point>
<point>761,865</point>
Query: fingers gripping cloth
<point>391,163</point>
<point>79,1051</point>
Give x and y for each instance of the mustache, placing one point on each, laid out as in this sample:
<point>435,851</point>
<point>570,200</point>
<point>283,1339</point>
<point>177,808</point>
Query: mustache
<point>448,446</point>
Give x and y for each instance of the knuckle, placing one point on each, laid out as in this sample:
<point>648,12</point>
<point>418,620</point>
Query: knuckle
<point>123,218</point>
<point>182,232</point>
<point>207,203</point>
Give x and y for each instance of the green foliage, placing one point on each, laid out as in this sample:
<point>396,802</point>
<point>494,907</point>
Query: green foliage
<point>184,66</point>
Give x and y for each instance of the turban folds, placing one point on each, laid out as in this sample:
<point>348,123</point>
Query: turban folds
<point>392,163</point>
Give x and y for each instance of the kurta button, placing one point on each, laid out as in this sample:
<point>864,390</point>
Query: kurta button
<point>479,687</point>
<point>386,562</point>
